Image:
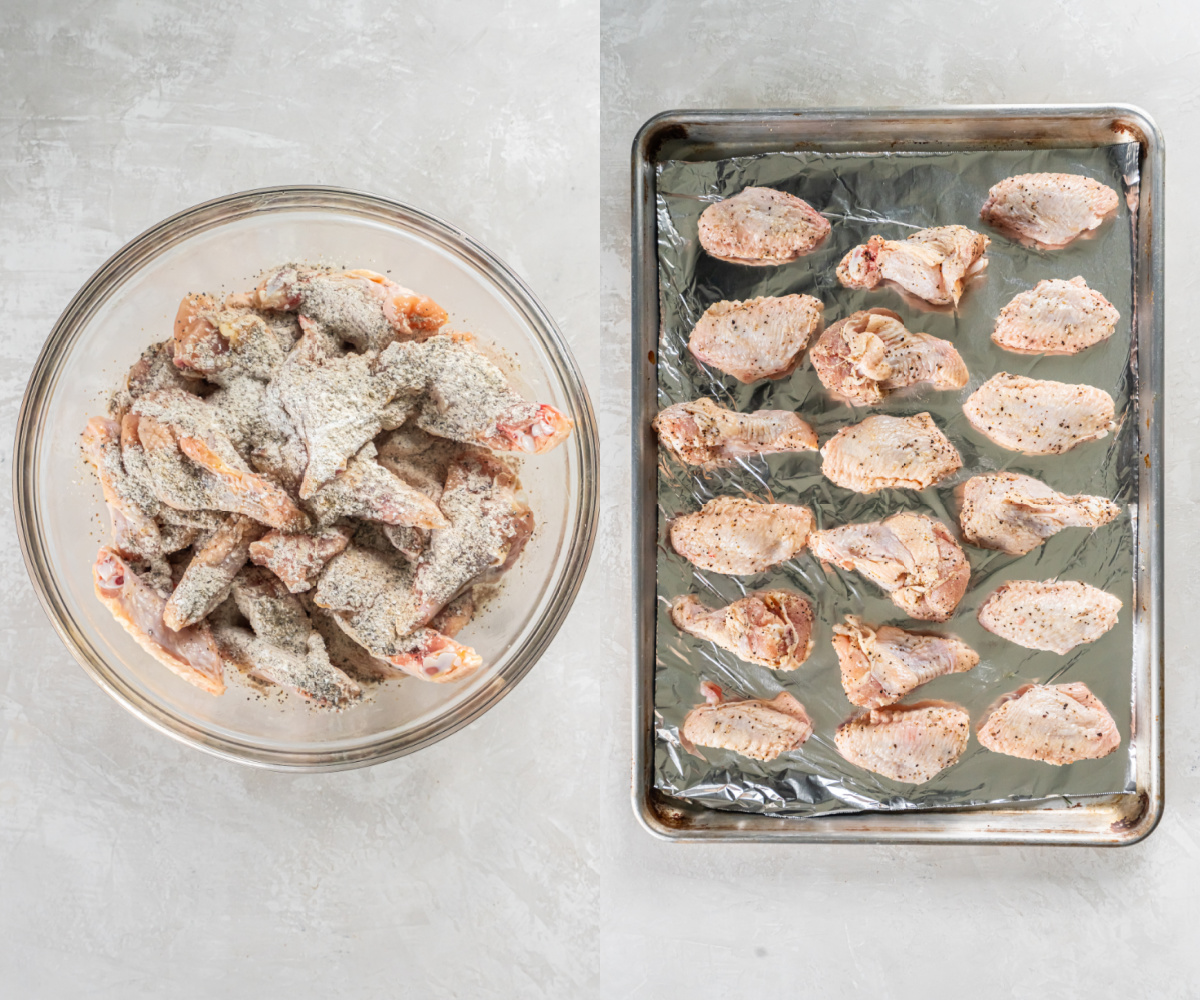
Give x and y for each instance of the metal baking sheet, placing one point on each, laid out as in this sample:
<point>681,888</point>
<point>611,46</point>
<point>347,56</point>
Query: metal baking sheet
<point>892,190</point>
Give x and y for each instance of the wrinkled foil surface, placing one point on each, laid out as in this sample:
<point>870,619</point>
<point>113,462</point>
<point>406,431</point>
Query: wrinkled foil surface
<point>894,195</point>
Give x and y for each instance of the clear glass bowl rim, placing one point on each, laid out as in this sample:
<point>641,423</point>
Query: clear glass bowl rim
<point>208,215</point>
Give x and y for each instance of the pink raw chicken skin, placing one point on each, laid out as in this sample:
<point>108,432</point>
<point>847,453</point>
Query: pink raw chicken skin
<point>1054,723</point>
<point>462,396</point>
<point>753,727</point>
<point>761,226</point>
<point>436,657</point>
<point>360,306</point>
<point>189,652</point>
<point>1050,210</point>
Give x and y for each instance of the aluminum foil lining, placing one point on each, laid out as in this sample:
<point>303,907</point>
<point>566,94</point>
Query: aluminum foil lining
<point>893,194</point>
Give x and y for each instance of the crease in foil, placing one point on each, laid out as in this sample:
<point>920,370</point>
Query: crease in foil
<point>893,194</point>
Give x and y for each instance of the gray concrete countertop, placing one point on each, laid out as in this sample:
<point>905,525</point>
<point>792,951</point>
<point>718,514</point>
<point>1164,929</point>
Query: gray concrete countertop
<point>506,861</point>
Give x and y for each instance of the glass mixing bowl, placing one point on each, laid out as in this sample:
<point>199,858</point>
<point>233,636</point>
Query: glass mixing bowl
<point>130,303</point>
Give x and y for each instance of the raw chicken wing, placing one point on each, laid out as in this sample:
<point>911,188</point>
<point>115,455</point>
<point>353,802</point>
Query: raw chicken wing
<point>220,344</point>
<point>460,395</point>
<point>371,596</point>
<point>298,558</point>
<point>1056,615</point>
<point>337,405</point>
<point>189,652</point>
<point>346,654</point>
<point>702,433</point>
<point>486,528</point>
<point>758,338</point>
<point>911,556</point>
<point>909,743</point>
<point>1039,417</point>
<point>206,581</point>
<point>761,226</point>
<point>135,532</point>
<point>283,647</point>
<point>880,665</point>
<point>1055,317</point>
<point>368,490</point>
<point>753,727</point>
<point>311,674</point>
<point>1015,513</point>
<point>771,627</point>
<point>362,307</point>
<point>736,536</point>
<point>173,424</point>
<point>1049,209</point>
<point>868,354</point>
<point>933,264</point>
<point>883,452</point>
<point>1053,723</point>
<point>154,370</point>
<point>429,654</point>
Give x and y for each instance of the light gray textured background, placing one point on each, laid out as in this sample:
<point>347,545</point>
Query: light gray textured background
<point>506,861</point>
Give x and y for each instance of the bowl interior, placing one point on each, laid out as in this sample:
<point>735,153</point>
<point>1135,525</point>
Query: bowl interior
<point>136,309</point>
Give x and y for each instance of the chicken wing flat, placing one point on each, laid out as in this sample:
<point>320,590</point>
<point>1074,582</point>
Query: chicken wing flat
<point>1054,723</point>
<point>207,580</point>
<point>373,589</point>
<point>337,405</point>
<point>771,627</point>
<point>345,653</point>
<point>258,426</point>
<point>882,664</point>
<point>1015,513</point>
<point>761,226</point>
<point>884,452</point>
<point>702,433</point>
<point>909,743</point>
<point>736,536</point>
<point>1048,209</point>
<point>1055,615</point>
<point>932,264</point>
<point>177,528</point>
<point>188,652</point>
<point>368,490</point>
<point>421,459</point>
<point>298,558</point>
<point>911,556</point>
<point>372,599</point>
<point>1039,417</point>
<point>756,339</point>
<point>870,353</point>
<point>464,397</point>
<point>310,674</point>
<point>486,527</point>
<point>362,307</point>
<point>753,727</point>
<point>283,647</point>
<point>131,509</point>
<point>1055,317</point>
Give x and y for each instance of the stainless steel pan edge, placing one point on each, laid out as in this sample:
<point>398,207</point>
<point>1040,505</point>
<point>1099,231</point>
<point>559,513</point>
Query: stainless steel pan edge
<point>1119,820</point>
